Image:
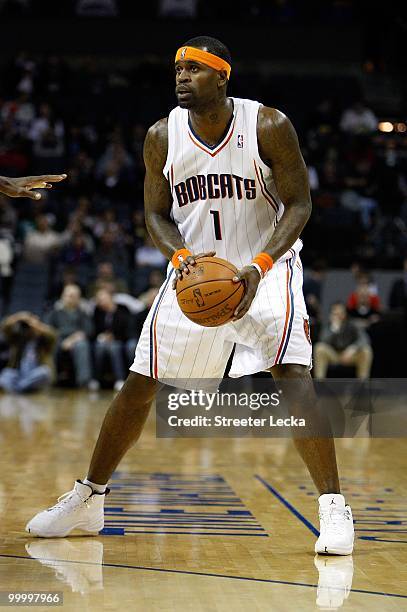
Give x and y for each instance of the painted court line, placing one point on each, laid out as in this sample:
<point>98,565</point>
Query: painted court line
<point>289,506</point>
<point>204,574</point>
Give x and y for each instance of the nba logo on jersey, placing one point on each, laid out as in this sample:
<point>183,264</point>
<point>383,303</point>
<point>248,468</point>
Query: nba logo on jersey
<point>240,141</point>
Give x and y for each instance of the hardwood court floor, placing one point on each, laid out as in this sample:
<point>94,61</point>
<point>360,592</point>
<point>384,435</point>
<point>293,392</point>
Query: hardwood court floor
<point>193,525</point>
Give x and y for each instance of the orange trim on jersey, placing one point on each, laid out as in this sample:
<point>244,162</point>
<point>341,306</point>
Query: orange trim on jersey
<point>264,189</point>
<point>191,54</point>
<point>287,314</point>
<point>220,146</point>
<point>153,329</point>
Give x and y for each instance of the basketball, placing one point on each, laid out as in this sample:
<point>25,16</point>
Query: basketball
<point>207,295</point>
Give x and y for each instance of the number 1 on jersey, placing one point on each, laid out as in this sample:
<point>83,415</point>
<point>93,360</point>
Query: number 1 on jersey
<point>216,224</point>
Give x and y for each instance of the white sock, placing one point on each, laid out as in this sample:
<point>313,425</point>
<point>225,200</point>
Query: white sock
<point>95,487</point>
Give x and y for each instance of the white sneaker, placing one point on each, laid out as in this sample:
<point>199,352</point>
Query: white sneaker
<point>118,385</point>
<point>77,562</point>
<point>335,581</point>
<point>336,526</point>
<point>80,509</point>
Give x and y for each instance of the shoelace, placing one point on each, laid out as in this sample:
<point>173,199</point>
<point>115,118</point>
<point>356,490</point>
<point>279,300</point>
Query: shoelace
<point>333,519</point>
<point>66,497</point>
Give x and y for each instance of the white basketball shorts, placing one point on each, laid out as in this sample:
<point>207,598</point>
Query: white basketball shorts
<point>274,331</point>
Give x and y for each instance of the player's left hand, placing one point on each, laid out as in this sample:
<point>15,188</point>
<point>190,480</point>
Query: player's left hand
<point>22,187</point>
<point>251,278</point>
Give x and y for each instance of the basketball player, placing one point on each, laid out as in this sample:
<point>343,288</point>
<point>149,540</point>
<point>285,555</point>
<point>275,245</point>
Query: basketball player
<point>22,187</point>
<point>222,174</point>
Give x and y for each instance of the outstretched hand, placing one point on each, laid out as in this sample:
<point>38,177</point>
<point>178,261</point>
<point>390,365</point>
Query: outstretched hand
<point>251,278</point>
<point>22,187</point>
<point>191,260</point>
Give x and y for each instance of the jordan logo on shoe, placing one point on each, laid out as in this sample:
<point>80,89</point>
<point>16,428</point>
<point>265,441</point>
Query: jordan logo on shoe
<point>332,502</point>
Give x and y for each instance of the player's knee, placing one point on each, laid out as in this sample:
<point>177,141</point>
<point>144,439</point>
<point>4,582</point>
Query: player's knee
<point>139,388</point>
<point>291,370</point>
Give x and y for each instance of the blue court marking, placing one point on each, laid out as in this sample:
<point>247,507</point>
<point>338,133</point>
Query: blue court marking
<point>129,491</point>
<point>205,574</point>
<point>376,539</point>
<point>201,533</point>
<point>384,530</point>
<point>289,506</point>
<point>183,525</point>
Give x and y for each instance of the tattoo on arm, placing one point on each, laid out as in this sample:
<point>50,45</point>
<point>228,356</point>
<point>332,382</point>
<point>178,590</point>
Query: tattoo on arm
<point>280,150</point>
<point>157,196</point>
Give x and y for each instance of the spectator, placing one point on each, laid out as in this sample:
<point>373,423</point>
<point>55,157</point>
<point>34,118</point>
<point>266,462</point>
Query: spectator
<point>8,224</point>
<point>362,304</point>
<point>155,280</point>
<point>49,150</point>
<point>149,255</point>
<point>139,230</point>
<point>111,248</point>
<point>31,344</point>
<point>115,167</point>
<point>324,118</point>
<point>42,242</point>
<point>19,114</point>
<point>398,293</point>
<point>74,329</point>
<point>358,119</point>
<point>342,343</point>
<point>360,190</point>
<point>78,250</point>
<point>8,215</point>
<point>312,294</point>
<point>6,270</point>
<point>44,123</point>
<point>107,223</point>
<point>106,277</point>
<point>111,332</point>
<point>82,214</point>
<point>59,282</point>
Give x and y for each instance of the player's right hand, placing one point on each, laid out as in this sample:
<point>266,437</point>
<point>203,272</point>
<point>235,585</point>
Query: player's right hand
<point>183,268</point>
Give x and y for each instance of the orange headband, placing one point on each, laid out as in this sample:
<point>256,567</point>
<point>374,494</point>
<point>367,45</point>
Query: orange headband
<point>197,55</point>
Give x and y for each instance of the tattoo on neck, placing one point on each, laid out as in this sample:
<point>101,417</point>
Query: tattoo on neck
<point>214,118</point>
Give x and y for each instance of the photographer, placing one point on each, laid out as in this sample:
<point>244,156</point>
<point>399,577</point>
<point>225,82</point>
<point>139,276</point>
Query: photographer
<point>31,344</point>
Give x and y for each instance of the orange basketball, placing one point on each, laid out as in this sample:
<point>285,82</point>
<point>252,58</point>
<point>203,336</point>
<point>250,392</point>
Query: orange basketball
<point>207,295</point>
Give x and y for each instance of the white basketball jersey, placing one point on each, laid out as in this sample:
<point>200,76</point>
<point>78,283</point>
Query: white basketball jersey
<point>224,197</point>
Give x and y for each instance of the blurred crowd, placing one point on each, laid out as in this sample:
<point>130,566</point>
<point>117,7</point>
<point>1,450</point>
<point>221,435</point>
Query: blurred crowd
<point>86,239</point>
<point>358,178</point>
<point>280,11</point>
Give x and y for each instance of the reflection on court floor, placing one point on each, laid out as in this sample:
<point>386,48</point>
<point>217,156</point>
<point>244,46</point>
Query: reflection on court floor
<point>196,525</point>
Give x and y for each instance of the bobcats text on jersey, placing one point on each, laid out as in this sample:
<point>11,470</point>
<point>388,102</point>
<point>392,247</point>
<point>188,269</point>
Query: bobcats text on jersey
<point>213,187</point>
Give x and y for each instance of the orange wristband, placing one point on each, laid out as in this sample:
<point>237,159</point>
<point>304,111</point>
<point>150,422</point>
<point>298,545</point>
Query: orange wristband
<point>265,261</point>
<point>179,256</point>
